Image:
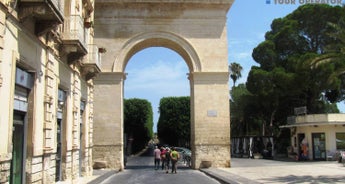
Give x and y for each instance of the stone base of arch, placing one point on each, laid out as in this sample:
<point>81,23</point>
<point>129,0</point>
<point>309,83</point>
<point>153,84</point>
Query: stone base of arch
<point>210,124</point>
<point>108,120</point>
<point>110,155</point>
<point>212,156</point>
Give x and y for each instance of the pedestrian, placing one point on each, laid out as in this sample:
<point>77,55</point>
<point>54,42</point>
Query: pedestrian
<point>167,160</point>
<point>174,156</point>
<point>163,157</point>
<point>157,157</point>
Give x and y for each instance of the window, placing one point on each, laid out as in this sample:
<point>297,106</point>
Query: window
<point>340,140</point>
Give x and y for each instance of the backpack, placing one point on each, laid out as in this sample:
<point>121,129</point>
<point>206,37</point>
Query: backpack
<point>167,155</point>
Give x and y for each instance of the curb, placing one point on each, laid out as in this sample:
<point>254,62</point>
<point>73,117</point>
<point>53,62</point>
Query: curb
<point>225,177</point>
<point>103,177</point>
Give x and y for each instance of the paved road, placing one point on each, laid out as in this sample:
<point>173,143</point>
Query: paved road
<point>140,170</point>
<point>243,171</point>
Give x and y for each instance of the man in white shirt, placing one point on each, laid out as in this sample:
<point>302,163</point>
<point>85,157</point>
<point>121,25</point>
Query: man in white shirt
<point>157,155</point>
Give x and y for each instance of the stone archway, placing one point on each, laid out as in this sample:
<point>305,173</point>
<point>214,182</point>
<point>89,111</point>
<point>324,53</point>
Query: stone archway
<point>158,39</point>
<point>196,30</point>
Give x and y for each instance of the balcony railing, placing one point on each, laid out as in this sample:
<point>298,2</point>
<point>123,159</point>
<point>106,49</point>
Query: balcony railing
<point>92,63</point>
<point>93,56</point>
<point>73,35</point>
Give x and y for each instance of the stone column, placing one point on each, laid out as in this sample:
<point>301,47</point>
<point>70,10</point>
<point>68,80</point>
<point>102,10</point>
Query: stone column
<point>210,126</point>
<point>108,119</point>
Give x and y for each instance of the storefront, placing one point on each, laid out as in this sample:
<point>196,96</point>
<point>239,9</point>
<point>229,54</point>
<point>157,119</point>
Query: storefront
<point>317,136</point>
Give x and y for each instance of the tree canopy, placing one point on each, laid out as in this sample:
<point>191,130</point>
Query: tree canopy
<point>138,122</point>
<point>286,77</point>
<point>174,121</point>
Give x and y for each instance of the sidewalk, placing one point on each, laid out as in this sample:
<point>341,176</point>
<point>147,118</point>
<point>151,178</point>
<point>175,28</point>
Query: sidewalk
<point>99,176</point>
<point>255,171</point>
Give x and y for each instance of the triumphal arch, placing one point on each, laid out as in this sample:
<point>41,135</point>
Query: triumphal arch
<point>195,29</point>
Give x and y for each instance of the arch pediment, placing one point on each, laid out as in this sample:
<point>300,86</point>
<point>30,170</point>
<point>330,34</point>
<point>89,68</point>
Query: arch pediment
<point>157,39</point>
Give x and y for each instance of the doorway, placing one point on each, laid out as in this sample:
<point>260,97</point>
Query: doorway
<point>319,146</point>
<point>81,137</point>
<point>58,151</point>
<point>300,138</point>
<point>17,164</point>
<point>59,134</point>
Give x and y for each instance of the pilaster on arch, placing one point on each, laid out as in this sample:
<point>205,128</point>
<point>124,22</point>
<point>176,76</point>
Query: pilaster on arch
<point>157,39</point>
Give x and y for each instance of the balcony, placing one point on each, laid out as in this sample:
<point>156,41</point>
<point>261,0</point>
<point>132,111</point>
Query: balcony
<point>47,13</point>
<point>74,38</point>
<point>92,63</point>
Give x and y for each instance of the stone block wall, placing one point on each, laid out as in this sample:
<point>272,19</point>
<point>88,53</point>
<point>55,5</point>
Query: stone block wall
<point>111,154</point>
<point>67,166</point>
<point>5,159</point>
<point>34,170</point>
<point>217,155</point>
<point>5,166</point>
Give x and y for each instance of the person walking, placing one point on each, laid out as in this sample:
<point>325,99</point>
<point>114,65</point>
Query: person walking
<point>174,155</point>
<point>157,157</point>
<point>163,157</point>
<point>167,160</point>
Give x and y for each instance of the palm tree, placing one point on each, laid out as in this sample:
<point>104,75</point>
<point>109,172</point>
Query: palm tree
<point>235,70</point>
<point>335,52</point>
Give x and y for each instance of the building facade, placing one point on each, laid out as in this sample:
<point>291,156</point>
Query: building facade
<point>316,136</point>
<point>53,107</point>
<point>47,65</point>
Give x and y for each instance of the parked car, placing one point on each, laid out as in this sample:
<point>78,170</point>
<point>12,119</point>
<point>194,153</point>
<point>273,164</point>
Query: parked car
<point>185,155</point>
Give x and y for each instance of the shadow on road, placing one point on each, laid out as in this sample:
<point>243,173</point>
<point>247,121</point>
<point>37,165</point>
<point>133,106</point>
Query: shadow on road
<point>139,166</point>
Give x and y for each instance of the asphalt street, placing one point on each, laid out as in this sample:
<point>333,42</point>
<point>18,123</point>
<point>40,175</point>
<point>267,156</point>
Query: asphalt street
<point>140,170</point>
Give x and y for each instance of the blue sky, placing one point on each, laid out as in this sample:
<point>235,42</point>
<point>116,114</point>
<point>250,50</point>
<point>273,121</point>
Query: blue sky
<point>154,72</point>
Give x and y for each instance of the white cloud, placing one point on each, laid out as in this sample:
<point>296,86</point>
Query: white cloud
<point>160,78</point>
